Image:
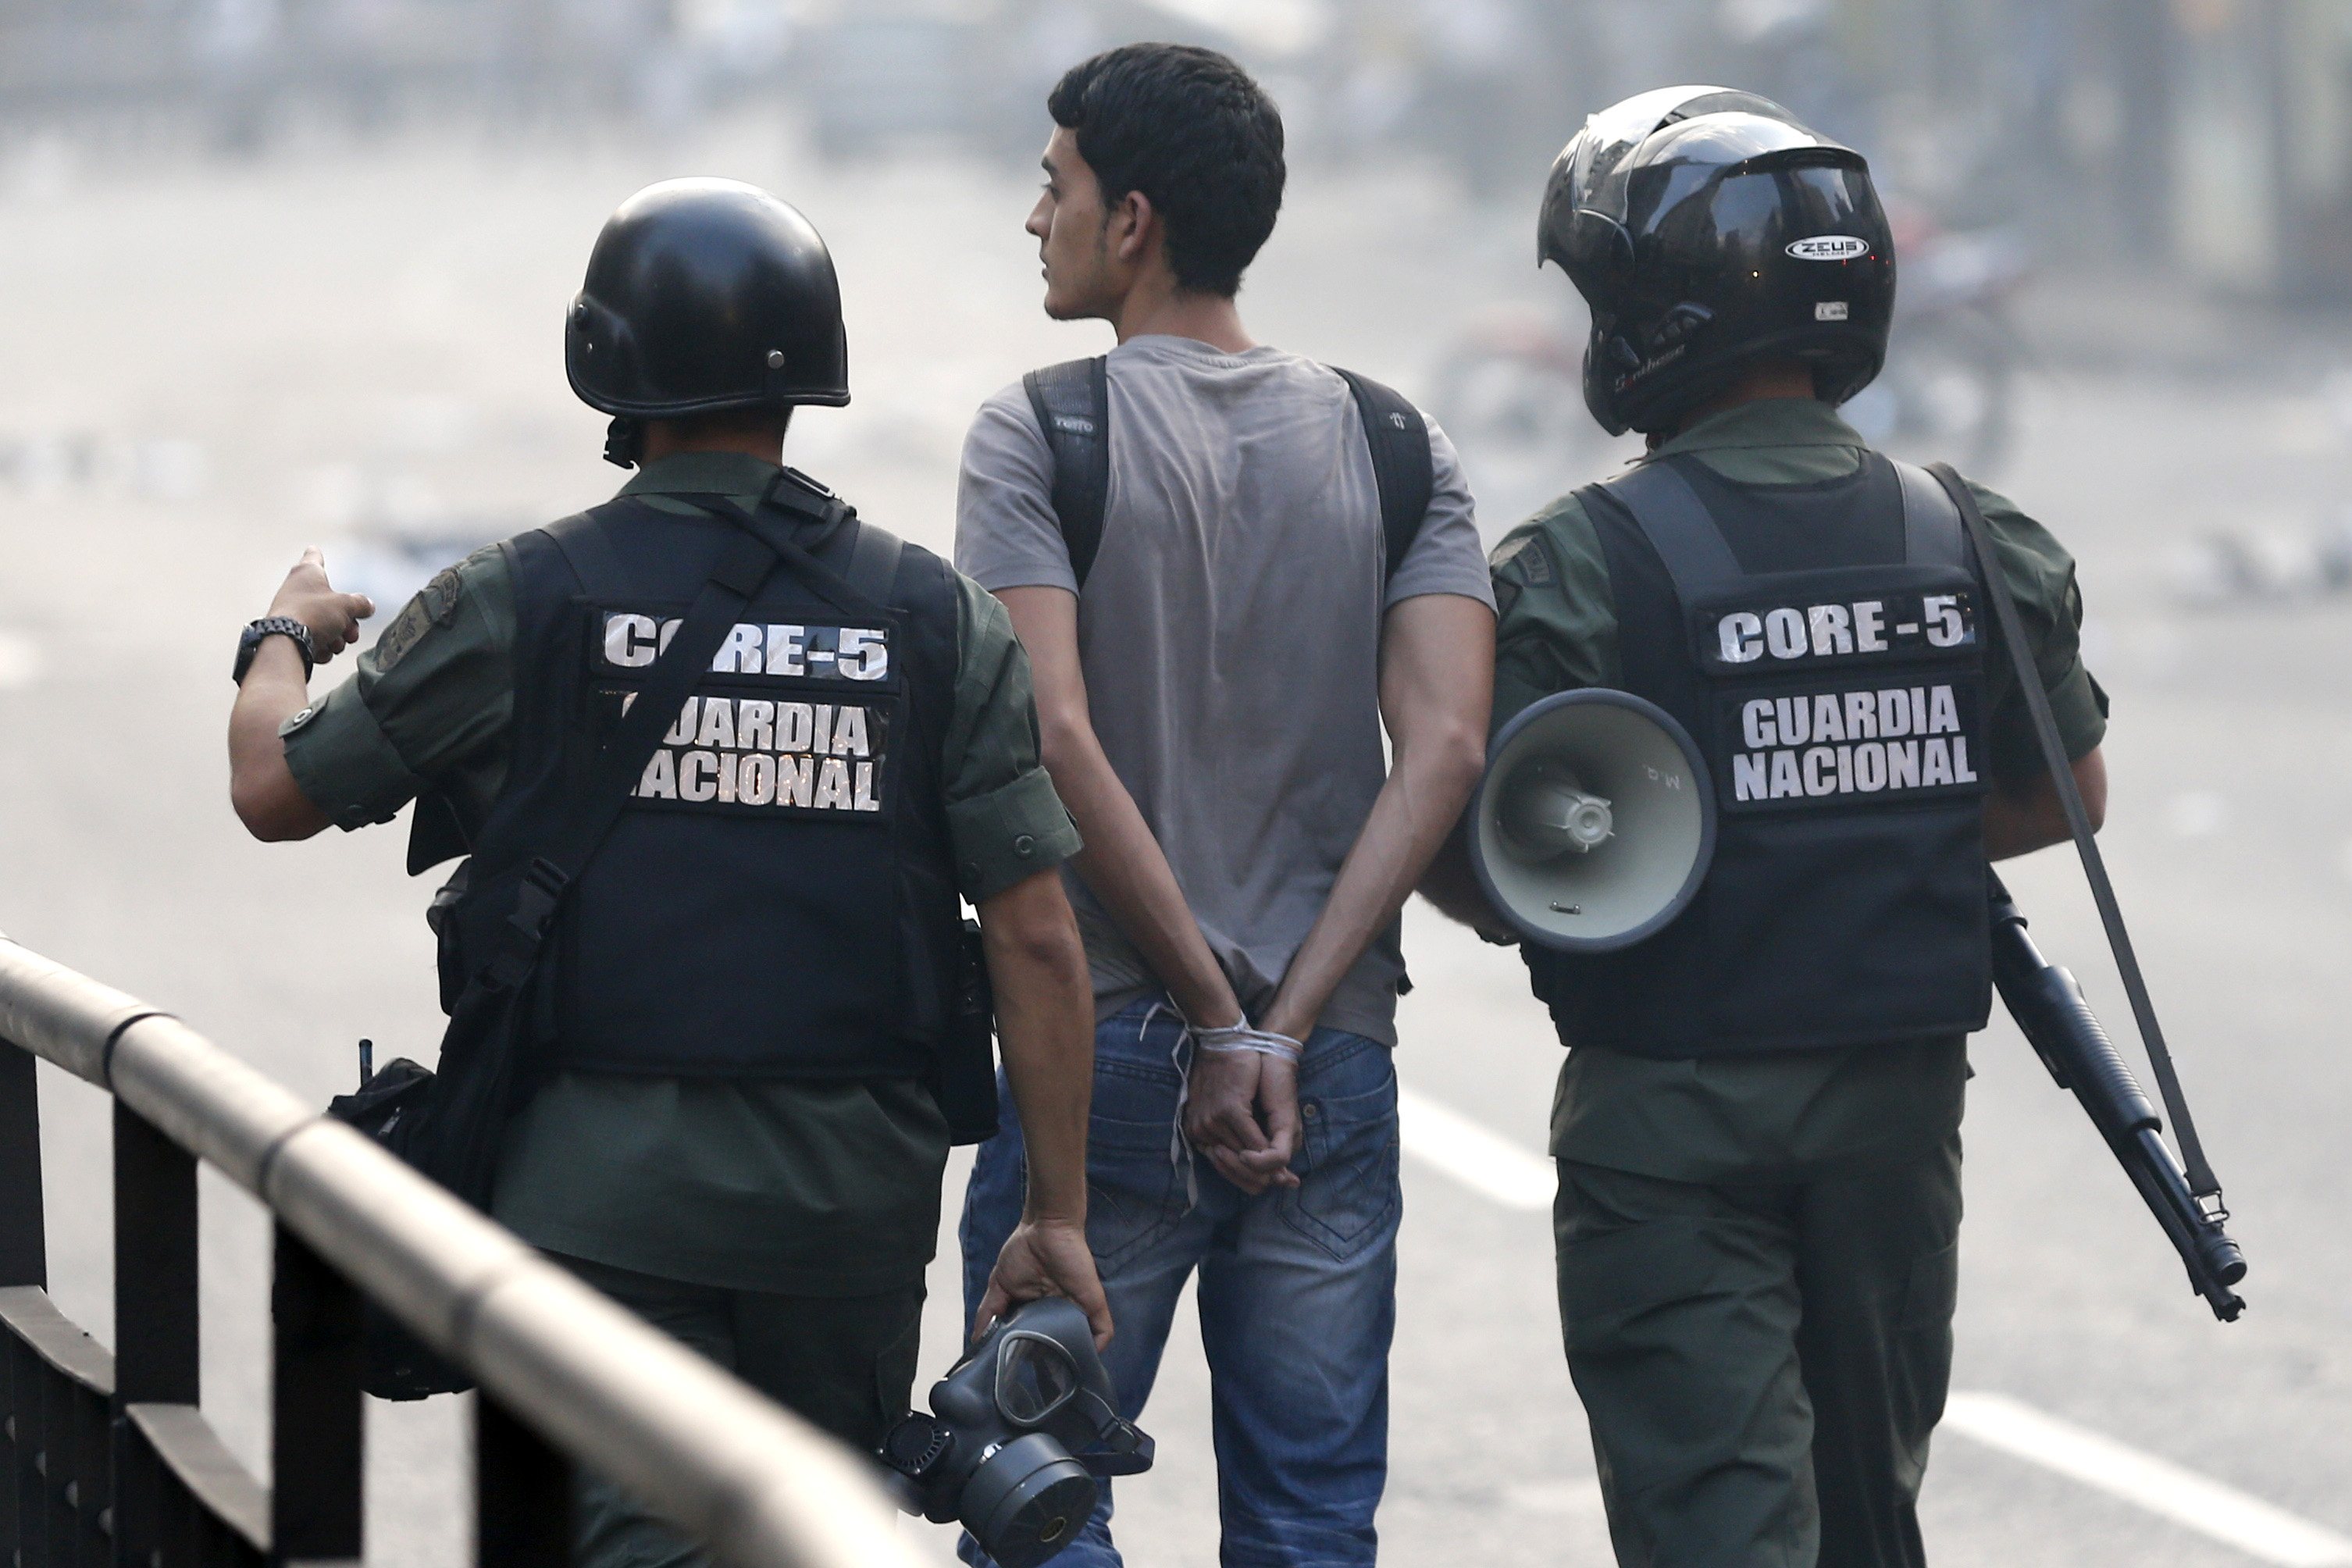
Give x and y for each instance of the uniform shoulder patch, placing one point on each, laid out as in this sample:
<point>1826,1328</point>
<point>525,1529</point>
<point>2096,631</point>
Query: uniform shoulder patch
<point>435,605</point>
<point>1525,555</point>
<point>440,597</point>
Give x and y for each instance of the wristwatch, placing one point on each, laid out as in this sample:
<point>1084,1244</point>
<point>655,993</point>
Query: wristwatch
<point>249,643</point>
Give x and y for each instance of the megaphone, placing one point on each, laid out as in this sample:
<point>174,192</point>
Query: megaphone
<point>1595,822</point>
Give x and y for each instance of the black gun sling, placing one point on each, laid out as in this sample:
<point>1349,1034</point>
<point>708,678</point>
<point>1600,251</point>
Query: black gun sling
<point>2201,1180</point>
<point>1072,402</point>
<point>447,1122</point>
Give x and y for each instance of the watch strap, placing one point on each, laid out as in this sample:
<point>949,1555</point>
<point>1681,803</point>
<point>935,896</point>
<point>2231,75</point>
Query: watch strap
<point>271,626</point>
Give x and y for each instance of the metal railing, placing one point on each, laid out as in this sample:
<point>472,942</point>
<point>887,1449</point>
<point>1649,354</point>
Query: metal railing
<point>106,1459</point>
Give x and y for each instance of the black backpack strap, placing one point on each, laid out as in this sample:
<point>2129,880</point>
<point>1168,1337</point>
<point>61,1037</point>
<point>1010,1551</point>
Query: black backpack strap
<point>1072,402</point>
<point>1402,465</point>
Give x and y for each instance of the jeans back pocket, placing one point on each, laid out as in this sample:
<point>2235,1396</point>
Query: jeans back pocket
<point>1347,1194</point>
<point>1135,1192</point>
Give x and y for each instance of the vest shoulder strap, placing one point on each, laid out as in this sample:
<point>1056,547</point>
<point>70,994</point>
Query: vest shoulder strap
<point>1932,533</point>
<point>588,552</point>
<point>1403,466</point>
<point>1675,522</point>
<point>873,567</point>
<point>1072,402</point>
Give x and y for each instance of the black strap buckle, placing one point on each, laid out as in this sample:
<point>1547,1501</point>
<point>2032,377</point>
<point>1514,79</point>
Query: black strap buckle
<point>543,883</point>
<point>536,898</point>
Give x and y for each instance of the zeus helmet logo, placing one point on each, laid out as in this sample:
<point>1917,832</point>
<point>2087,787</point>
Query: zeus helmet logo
<point>1828,247</point>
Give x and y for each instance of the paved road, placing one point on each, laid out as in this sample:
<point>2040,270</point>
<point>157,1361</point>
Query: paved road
<point>335,344</point>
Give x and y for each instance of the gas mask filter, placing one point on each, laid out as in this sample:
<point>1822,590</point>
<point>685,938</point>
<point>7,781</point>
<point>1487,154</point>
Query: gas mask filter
<point>1024,1423</point>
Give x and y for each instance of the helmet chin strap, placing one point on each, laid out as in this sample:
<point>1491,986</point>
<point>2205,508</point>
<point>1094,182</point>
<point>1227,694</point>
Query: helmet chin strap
<point>625,442</point>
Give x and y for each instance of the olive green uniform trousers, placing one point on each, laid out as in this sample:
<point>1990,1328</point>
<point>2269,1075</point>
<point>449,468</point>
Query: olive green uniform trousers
<point>845,1363</point>
<point>1762,1361</point>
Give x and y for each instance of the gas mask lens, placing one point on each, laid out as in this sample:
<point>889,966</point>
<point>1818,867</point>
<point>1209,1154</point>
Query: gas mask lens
<point>1035,1377</point>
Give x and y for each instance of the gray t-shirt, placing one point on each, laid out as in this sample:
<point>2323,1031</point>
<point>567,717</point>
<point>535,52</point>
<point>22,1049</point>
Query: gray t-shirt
<point>1230,636</point>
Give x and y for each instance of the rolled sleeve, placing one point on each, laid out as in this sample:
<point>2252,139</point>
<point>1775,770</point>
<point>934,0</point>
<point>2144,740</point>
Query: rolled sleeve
<point>1003,817</point>
<point>344,762</point>
<point>1009,835</point>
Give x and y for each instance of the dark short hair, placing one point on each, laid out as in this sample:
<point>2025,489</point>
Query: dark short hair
<point>1189,129</point>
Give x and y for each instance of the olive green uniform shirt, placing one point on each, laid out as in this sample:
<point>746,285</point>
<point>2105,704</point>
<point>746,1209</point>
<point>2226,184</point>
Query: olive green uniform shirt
<point>805,1188</point>
<point>1721,1119</point>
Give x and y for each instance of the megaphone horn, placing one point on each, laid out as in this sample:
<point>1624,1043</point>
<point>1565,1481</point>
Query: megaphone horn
<point>1595,822</point>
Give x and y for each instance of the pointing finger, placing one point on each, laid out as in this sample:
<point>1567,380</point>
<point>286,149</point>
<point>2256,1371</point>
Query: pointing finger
<point>311,557</point>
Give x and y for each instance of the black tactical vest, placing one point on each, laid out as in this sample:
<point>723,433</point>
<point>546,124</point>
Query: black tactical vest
<point>1821,643</point>
<point>778,899</point>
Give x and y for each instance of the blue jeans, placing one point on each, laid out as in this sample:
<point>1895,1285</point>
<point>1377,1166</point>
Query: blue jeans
<point>1298,1290</point>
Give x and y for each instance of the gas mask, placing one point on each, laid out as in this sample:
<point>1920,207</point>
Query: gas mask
<point>1025,1422</point>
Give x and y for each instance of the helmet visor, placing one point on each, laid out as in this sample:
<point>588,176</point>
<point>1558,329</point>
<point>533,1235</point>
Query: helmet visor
<point>1035,1377</point>
<point>1750,216</point>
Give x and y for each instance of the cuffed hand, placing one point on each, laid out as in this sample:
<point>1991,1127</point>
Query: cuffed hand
<point>1045,1257</point>
<point>1277,1112</point>
<point>333,619</point>
<point>1228,1095</point>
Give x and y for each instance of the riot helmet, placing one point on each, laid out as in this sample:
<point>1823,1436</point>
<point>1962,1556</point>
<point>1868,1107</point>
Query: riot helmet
<point>704,295</point>
<point>1708,230</point>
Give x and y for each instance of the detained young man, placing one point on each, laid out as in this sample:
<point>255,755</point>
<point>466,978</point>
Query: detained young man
<point>1213,701</point>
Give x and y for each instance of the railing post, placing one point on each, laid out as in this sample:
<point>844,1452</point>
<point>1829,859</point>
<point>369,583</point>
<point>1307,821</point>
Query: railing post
<point>522,1493</point>
<point>156,1355</point>
<point>23,1251</point>
<point>316,1422</point>
<point>24,1260</point>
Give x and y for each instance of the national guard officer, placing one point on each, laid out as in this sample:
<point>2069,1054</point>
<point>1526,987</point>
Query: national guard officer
<point>739,1129</point>
<point>1758,1124</point>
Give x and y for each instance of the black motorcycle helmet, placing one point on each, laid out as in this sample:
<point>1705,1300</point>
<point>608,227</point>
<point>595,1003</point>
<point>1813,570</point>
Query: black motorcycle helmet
<point>1707,229</point>
<point>704,295</point>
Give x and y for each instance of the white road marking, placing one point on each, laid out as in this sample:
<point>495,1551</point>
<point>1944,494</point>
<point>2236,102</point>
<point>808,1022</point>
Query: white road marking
<point>1508,1174</point>
<point>1484,1160</point>
<point>2225,1513</point>
<point>20,661</point>
<point>1567,1498</point>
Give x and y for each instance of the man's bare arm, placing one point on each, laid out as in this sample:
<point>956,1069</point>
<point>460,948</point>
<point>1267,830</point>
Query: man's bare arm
<point>1437,683</point>
<point>2022,817</point>
<point>260,787</point>
<point>1437,676</point>
<point>1046,1015</point>
<point>1453,886</point>
<point>1124,867</point>
<point>1122,864</point>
